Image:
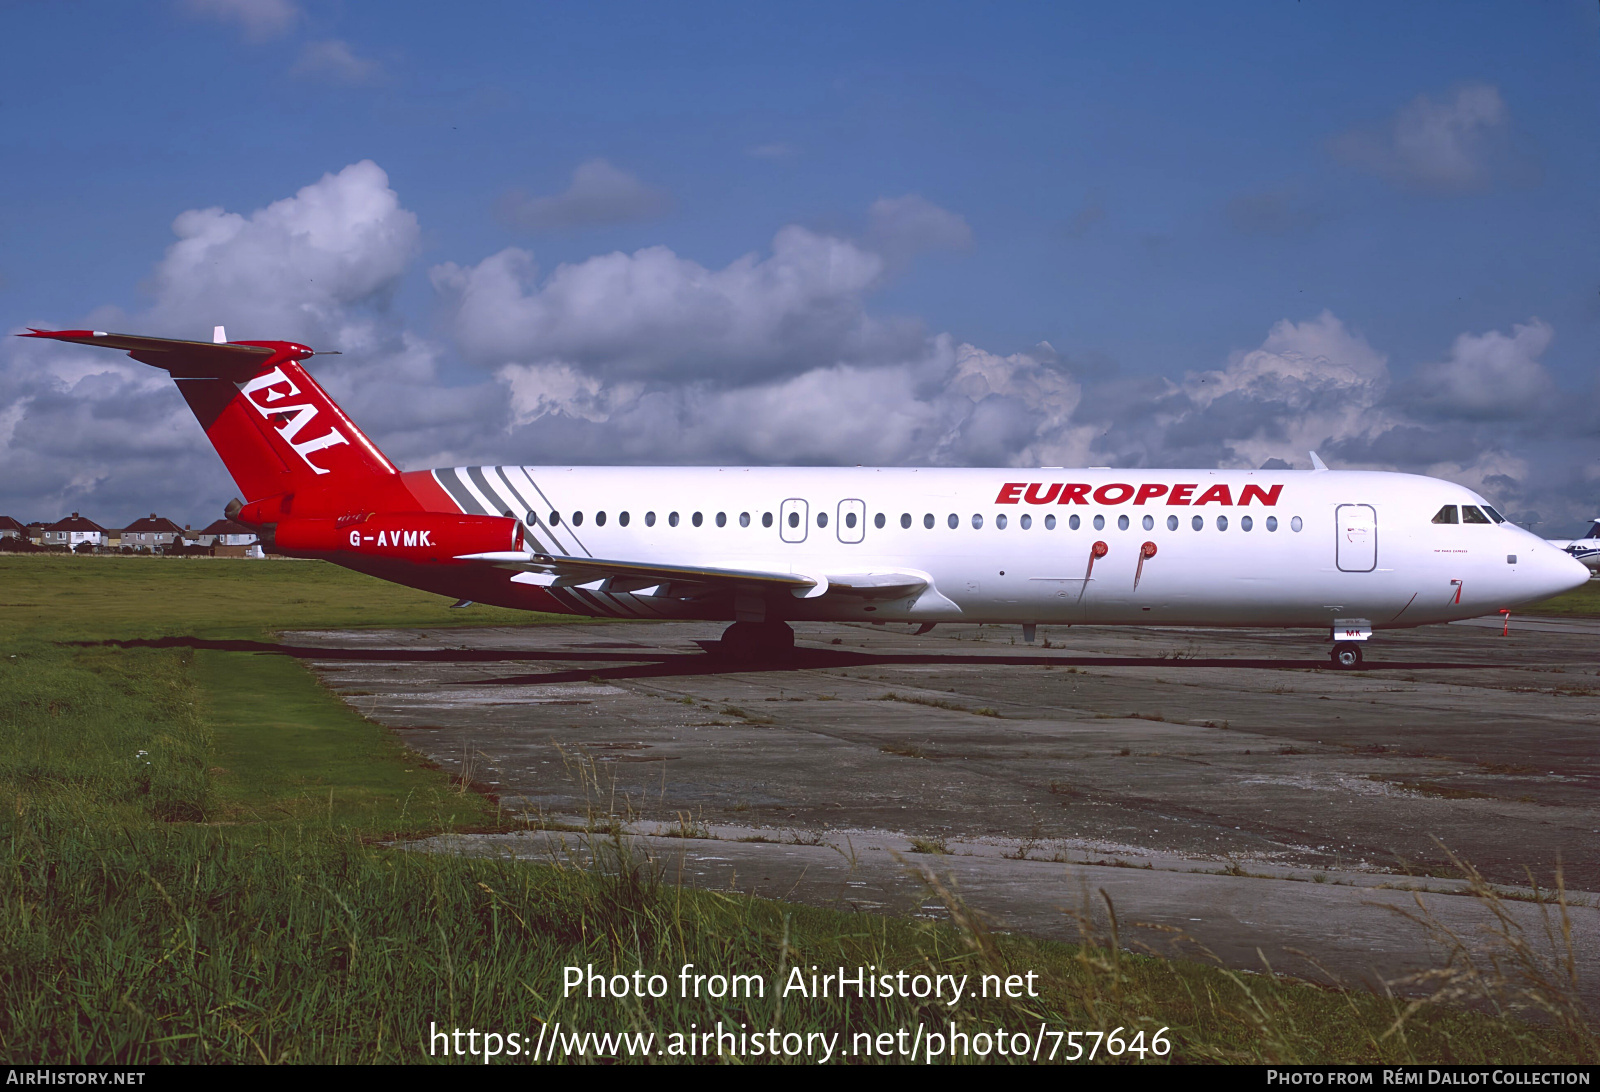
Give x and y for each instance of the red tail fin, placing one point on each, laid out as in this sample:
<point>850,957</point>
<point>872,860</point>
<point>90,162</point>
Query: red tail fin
<point>281,437</point>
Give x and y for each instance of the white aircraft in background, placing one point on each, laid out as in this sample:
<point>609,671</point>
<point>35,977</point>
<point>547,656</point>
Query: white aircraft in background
<point>1344,552</point>
<point>1586,548</point>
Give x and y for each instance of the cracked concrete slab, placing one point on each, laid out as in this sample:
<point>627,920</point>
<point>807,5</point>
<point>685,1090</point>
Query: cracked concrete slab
<point>1183,755</point>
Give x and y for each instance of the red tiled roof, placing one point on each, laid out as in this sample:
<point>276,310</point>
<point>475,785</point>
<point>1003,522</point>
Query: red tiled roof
<point>153,524</point>
<point>75,522</point>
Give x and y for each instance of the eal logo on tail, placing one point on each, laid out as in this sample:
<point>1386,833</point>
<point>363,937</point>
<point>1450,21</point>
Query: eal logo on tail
<point>292,418</point>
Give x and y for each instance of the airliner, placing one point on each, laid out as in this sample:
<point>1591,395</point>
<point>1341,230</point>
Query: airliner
<point>1344,552</point>
<point>1586,548</point>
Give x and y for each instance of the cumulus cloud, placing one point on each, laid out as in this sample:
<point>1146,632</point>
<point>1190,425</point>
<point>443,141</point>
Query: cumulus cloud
<point>1442,146</point>
<point>332,59</point>
<point>260,19</point>
<point>900,228</point>
<point>91,429</point>
<point>1488,376</point>
<point>304,267</point>
<point>599,194</point>
<point>655,314</point>
<point>776,357</point>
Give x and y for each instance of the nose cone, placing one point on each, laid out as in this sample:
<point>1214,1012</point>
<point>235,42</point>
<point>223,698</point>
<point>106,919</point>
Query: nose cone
<point>1562,571</point>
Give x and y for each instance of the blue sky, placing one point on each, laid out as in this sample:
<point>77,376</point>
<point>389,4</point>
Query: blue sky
<point>1305,206</point>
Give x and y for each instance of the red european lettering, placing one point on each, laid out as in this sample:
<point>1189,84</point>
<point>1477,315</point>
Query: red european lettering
<point>1146,491</point>
<point>1218,493</point>
<point>1268,497</point>
<point>1074,493</point>
<point>1009,491</point>
<point>1180,494</point>
<point>1033,497</point>
<point>1104,493</point>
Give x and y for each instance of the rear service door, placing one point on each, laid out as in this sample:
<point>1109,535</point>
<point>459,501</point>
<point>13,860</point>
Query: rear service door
<point>852,520</point>
<point>1357,548</point>
<point>792,518</point>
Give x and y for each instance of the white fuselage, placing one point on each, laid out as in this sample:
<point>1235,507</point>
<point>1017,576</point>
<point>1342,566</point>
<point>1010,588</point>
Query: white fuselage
<point>1231,548</point>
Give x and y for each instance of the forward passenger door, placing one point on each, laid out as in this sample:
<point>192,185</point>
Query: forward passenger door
<point>1357,547</point>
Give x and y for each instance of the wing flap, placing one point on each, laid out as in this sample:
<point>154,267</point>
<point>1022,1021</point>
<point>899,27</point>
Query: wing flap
<point>626,576</point>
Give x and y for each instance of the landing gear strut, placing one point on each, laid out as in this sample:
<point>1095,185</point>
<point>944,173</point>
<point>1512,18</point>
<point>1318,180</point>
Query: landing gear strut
<point>1346,654</point>
<point>744,642</point>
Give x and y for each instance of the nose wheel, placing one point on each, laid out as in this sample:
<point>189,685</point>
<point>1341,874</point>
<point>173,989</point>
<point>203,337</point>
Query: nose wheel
<point>1346,655</point>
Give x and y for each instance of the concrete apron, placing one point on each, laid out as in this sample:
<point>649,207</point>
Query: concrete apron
<point>1204,781</point>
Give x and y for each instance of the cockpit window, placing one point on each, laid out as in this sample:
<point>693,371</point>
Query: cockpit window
<point>1471,513</point>
<point>1447,514</point>
<point>1496,516</point>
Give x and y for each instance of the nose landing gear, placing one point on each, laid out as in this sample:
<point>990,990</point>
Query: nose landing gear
<point>1346,655</point>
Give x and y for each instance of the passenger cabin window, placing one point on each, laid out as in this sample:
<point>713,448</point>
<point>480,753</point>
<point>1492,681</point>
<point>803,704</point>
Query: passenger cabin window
<point>1122,523</point>
<point>1447,514</point>
<point>577,519</point>
<point>1099,523</point>
<point>649,519</point>
<point>954,521</point>
<point>1245,523</point>
<point>878,521</point>
<point>672,519</point>
<point>1172,523</point>
<point>1272,523</point>
<point>555,519</point>
<point>622,518</point>
<point>744,519</point>
<point>722,519</point>
<point>822,519</point>
<point>1000,521</point>
<point>766,519</point>
<point>1050,522</point>
<point>1471,513</point>
<point>1026,521</point>
<point>599,519</point>
<point>794,519</point>
<point>850,519</point>
<point>1074,522</point>
<point>905,519</point>
<point>977,521</point>
<point>697,519</point>
<point>927,521</point>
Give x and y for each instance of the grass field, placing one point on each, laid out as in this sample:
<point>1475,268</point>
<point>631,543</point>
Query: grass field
<point>197,867</point>
<point>1581,602</point>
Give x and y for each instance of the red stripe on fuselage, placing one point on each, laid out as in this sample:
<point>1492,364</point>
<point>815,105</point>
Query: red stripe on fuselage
<point>429,494</point>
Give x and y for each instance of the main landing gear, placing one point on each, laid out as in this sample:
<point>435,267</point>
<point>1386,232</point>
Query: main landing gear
<point>1346,655</point>
<point>746,642</point>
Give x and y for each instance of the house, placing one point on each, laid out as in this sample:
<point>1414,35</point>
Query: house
<point>73,532</point>
<point>36,533</point>
<point>229,539</point>
<point>152,534</point>
<point>10,528</point>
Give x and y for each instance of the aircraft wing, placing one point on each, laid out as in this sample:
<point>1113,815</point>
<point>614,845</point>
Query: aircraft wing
<point>629,576</point>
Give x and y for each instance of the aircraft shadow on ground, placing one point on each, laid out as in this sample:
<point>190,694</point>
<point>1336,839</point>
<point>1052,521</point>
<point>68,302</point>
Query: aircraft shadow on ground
<point>627,661</point>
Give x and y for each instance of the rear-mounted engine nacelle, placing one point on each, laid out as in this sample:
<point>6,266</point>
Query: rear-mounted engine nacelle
<point>427,537</point>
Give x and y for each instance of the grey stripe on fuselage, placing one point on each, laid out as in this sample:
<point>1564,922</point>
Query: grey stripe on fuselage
<point>556,531</point>
<point>532,519</point>
<point>459,493</point>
